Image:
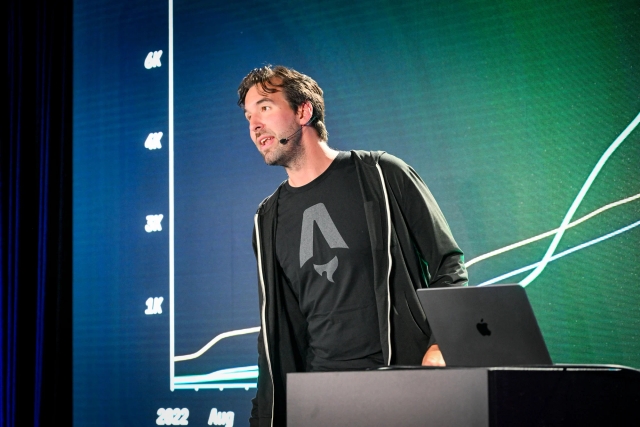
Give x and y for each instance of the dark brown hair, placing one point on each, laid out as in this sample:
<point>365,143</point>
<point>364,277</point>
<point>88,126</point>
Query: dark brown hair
<point>296,87</point>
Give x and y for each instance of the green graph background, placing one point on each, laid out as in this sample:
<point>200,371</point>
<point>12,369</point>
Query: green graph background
<point>523,99</point>
<point>504,108</point>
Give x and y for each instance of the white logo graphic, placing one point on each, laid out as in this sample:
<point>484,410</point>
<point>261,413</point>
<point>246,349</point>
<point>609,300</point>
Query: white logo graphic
<point>153,141</point>
<point>153,60</point>
<point>221,418</point>
<point>153,223</point>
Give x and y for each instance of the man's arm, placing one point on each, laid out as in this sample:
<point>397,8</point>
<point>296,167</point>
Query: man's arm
<point>441,258</point>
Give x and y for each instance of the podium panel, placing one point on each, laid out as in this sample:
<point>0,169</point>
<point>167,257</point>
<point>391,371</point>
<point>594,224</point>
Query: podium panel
<point>555,395</point>
<point>396,398</point>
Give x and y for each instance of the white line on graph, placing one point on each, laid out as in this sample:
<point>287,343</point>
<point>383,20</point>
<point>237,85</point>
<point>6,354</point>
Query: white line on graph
<point>576,202</point>
<point>215,341</point>
<point>561,254</point>
<point>549,233</point>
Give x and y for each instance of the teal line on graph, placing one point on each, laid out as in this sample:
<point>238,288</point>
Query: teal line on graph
<point>221,386</point>
<point>560,254</point>
<point>574,206</point>
<point>223,377</point>
<point>549,233</point>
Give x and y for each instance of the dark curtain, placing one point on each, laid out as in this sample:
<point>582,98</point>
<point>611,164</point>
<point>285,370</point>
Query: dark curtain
<point>35,216</point>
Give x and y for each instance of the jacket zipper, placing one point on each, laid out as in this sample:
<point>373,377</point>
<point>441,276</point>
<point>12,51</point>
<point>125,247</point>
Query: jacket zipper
<point>386,202</point>
<point>263,313</point>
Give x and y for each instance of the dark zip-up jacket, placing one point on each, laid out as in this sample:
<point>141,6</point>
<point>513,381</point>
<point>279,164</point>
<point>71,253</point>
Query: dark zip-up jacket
<point>412,248</point>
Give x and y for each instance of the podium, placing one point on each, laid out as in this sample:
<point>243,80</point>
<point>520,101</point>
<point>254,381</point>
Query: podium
<point>557,395</point>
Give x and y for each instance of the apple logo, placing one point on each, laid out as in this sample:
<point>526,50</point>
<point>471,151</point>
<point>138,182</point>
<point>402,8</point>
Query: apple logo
<point>483,328</point>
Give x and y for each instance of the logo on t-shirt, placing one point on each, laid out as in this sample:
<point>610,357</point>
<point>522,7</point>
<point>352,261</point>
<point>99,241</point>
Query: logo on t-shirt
<point>318,213</point>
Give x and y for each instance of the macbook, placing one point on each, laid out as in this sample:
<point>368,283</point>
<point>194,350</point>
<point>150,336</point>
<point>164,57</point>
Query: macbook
<point>484,326</point>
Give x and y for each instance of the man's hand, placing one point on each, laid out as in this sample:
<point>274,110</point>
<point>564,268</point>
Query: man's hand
<point>433,357</point>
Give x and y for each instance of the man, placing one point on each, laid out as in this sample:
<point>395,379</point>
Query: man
<point>341,247</point>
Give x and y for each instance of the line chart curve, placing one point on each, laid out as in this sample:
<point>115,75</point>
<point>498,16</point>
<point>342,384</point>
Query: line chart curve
<point>550,232</point>
<point>239,377</point>
<point>214,341</point>
<point>243,372</point>
<point>574,206</point>
<point>561,254</point>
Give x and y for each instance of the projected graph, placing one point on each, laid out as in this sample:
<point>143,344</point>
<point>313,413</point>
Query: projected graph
<point>241,377</point>
<point>228,377</point>
<point>245,376</point>
<point>509,124</point>
<point>566,224</point>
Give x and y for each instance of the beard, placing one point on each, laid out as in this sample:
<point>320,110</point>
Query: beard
<point>286,155</point>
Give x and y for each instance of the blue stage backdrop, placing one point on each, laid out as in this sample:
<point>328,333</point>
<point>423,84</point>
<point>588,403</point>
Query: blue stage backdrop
<point>520,116</point>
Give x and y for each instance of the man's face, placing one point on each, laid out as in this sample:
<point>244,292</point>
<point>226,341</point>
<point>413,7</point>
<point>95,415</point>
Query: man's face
<point>271,119</point>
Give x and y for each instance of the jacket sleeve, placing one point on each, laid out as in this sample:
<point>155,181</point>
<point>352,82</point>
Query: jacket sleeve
<point>441,259</point>
<point>263,369</point>
<point>254,420</point>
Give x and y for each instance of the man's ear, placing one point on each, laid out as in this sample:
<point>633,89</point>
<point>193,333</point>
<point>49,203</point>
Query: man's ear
<point>305,112</point>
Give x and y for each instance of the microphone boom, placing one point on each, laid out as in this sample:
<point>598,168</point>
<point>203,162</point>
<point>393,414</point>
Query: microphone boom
<point>285,140</point>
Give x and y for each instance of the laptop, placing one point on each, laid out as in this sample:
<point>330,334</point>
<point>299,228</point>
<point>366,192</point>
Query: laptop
<point>484,326</point>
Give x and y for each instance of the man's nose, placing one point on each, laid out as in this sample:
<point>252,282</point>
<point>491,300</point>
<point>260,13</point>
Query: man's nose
<point>255,124</point>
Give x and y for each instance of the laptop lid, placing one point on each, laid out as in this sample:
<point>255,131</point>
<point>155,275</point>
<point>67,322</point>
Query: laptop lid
<point>484,326</point>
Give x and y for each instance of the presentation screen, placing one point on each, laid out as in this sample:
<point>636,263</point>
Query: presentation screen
<point>519,115</point>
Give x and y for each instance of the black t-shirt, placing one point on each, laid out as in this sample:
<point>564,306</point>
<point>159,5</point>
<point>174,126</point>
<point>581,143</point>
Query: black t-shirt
<point>323,247</point>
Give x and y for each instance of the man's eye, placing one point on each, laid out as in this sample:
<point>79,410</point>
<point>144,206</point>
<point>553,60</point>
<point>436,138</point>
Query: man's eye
<point>265,108</point>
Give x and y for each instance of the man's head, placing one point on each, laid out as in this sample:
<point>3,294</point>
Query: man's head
<point>296,87</point>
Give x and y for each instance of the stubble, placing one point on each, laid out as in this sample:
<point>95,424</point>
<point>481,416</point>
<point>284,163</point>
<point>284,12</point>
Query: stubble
<point>286,155</point>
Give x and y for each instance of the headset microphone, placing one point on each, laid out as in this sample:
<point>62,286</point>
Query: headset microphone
<point>283,141</point>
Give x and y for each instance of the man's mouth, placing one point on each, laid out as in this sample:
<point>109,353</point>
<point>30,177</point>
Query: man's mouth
<point>265,140</point>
